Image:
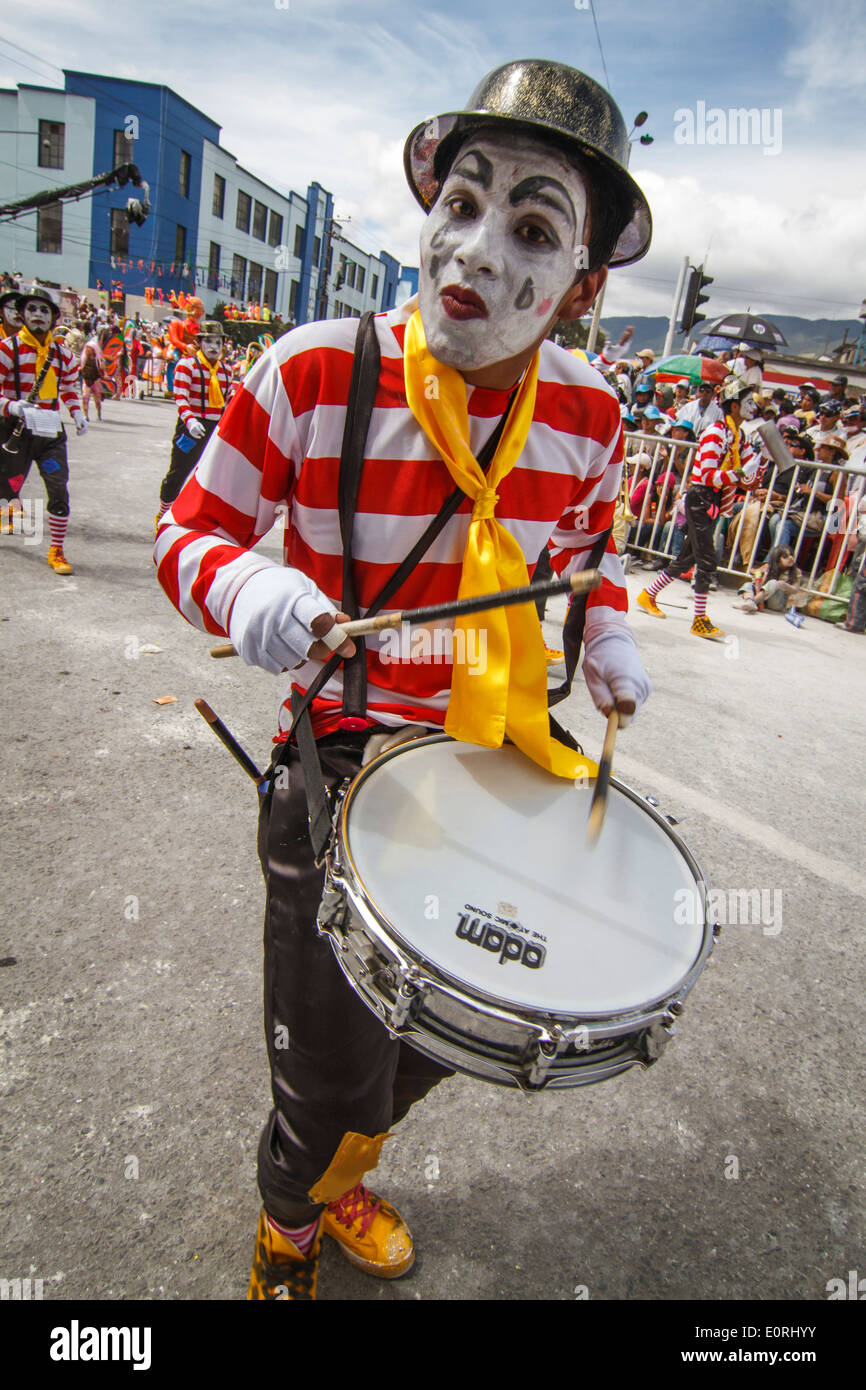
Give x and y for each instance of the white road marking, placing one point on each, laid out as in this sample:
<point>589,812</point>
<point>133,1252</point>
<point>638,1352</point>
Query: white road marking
<point>835,871</point>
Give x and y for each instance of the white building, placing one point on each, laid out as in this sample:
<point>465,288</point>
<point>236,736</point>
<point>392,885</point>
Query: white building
<point>46,140</point>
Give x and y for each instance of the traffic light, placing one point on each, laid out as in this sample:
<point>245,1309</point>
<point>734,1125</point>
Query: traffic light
<point>694,299</point>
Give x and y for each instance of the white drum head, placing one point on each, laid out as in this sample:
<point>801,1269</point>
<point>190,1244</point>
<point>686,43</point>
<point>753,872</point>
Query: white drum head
<point>477,861</point>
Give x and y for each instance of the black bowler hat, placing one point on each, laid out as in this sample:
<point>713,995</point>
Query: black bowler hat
<point>556,104</point>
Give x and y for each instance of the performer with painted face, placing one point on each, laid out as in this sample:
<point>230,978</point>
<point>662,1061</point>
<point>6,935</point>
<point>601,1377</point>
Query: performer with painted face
<point>201,386</point>
<point>529,203</point>
<point>36,373</point>
<point>725,459</point>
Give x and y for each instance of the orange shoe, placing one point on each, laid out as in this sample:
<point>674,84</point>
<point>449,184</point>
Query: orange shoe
<point>704,627</point>
<point>553,655</point>
<point>280,1272</point>
<point>646,601</point>
<point>371,1234</point>
<point>58,561</point>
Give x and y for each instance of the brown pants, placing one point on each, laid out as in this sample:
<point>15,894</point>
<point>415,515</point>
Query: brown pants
<point>334,1067</point>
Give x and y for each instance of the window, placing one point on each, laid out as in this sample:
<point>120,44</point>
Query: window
<point>245,203</point>
<point>275,230</point>
<point>360,278</point>
<point>374,288</point>
<point>254,286</point>
<point>180,245</point>
<point>52,142</point>
<point>213,267</point>
<point>271,289</point>
<point>293,297</point>
<point>185,166</point>
<point>317,250</point>
<point>49,229</point>
<point>350,275</point>
<point>239,276</point>
<point>299,237</point>
<point>123,147</point>
<point>219,195</point>
<point>119,232</point>
<point>260,221</point>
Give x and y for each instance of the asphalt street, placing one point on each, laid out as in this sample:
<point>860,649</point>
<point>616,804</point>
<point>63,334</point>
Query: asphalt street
<point>134,1075</point>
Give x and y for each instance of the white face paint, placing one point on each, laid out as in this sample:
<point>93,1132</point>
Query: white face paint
<point>748,409</point>
<point>38,316</point>
<point>500,248</point>
<point>211,348</point>
<point>11,318</point>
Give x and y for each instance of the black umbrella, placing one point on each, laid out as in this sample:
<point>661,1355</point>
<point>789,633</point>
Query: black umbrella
<point>746,328</point>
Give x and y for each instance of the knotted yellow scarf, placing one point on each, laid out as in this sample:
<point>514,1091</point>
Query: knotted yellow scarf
<point>510,696</point>
<point>48,389</point>
<point>214,391</point>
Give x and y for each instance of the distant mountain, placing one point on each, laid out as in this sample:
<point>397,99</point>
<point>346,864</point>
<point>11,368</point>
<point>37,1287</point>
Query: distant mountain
<point>804,335</point>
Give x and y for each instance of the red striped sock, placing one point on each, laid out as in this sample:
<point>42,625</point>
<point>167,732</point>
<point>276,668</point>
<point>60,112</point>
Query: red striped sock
<point>700,605</point>
<point>661,579</point>
<point>301,1236</point>
<point>57,529</point>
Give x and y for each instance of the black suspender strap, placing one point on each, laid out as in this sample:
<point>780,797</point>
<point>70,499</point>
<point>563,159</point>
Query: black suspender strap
<point>572,639</point>
<point>16,368</point>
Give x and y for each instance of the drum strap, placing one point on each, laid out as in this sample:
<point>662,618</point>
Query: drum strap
<point>362,394</point>
<point>572,641</point>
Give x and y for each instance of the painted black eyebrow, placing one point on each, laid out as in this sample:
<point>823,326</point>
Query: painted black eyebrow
<point>530,189</point>
<point>483,174</point>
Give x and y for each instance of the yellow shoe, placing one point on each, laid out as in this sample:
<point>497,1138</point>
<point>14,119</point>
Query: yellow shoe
<point>156,520</point>
<point>703,627</point>
<point>280,1272</point>
<point>370,1233</point>
<point>553,655</point>
<point>58,561</point>
<point>649,605</point>
<point>7,517</point>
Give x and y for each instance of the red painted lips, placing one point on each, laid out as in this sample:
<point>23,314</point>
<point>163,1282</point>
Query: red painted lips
<point>461,303</point>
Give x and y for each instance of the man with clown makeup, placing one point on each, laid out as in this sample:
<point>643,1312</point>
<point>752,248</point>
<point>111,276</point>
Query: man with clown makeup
<point>528,203</point>
<point>201,384</point>
<point>36,374</point>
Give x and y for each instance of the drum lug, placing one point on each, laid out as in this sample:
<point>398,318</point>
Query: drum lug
<point>545,1050</point>
<point>654,1039</point>
<point>405,1000</point>
<point>332,917</point>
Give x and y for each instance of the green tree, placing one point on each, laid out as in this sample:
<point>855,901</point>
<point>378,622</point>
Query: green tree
<point>575,334</point>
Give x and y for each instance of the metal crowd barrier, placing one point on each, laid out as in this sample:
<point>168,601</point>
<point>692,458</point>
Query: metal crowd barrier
<point>839,519</point>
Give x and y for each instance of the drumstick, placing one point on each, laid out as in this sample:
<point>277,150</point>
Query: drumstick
<point>229,740</point>
<point>580,583</point>
<point>602,780</point>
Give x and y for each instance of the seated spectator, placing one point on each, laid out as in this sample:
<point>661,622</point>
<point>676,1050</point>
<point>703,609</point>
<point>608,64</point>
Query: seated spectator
<point>827,423</point>
<point>775,531</point>
<point>681,395</point>
<point>703,411</point>
<point>777,585</point>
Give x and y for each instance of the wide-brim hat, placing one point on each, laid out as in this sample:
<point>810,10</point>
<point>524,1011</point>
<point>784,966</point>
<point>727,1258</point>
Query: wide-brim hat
<point>210,328</point>
<point>43,292</point>
<point>834,442</point>
<point>6,298</point>
<point>556,104</point>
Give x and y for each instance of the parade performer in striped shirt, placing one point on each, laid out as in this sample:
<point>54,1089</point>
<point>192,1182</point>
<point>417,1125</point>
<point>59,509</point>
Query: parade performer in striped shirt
<point>725,459</point>
<point>528,204</point>
<point>33,365</point>
<point>201,386</point>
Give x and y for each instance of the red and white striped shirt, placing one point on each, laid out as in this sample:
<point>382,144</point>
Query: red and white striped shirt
<point>713,465</point>
<point>277,451</point>
<point>65,370</point>
<point>191,382</point>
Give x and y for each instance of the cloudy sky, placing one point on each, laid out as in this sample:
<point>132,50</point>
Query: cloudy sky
<point>329,89</point>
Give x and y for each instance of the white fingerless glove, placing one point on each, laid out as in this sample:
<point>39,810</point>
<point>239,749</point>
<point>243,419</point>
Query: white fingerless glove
<point>270,622</point>
<point>196,429</point>
<point>613,671</point>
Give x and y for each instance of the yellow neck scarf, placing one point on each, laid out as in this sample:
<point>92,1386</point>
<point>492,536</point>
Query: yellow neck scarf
<point>214,391</point>
<point>733,454</point>
<point>48,389</point>
<point>510,697</point>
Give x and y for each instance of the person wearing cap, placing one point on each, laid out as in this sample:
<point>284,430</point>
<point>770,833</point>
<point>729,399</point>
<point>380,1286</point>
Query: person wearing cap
<point>36,373</point>
<point>528,203</point>
<point>10,322</point>
<point>703,410</point>
<point>838,390</point>
<point>643,360</point>
<point>201,386</point>
<point>749,367</point>
<point>827,424</point>
<point>681,396</point>
<point>724,459</point>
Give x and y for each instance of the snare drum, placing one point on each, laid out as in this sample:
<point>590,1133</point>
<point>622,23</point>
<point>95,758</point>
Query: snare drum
<point>466,910</point>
